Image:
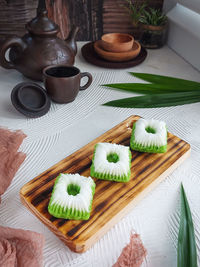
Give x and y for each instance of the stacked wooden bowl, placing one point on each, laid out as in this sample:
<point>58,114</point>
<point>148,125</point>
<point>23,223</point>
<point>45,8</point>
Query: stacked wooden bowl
<point>117,47</point>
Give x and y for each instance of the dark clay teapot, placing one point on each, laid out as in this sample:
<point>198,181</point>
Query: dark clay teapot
<point>39,48</point>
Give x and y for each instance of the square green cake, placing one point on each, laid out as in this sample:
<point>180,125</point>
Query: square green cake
<point>111,162</point>
<point>72,197</point>
<point>149,136</point>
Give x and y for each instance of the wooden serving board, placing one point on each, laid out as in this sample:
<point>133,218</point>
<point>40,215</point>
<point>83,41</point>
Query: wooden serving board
<point>112,200</point>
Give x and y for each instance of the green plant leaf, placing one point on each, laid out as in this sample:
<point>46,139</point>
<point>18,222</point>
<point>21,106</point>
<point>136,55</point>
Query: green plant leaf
<point>135,10</point>
<point>160,79</point>
<point>186,251</point>
<point>157,100</point>
<point>153,16</point>
<point>144,88</point>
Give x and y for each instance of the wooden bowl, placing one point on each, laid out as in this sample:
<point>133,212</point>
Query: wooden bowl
<point>117,57</point>
<point>93,58</point>
<point>117,42</point>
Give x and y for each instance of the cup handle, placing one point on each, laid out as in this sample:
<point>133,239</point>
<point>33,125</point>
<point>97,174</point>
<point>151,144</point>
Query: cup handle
<point>87,74</point>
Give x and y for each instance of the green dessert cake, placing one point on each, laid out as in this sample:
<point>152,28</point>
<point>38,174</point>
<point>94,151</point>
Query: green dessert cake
<point>149,136</point>
<point>72,197</point>
<point>111,162</point>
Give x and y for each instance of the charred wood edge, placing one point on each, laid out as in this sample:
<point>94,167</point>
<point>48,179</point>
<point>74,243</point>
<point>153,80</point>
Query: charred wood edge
<point>41,5</point>
<point>92,18</point>
<point>97,9</point>
<point>77,17</point>
<point>89,18</point>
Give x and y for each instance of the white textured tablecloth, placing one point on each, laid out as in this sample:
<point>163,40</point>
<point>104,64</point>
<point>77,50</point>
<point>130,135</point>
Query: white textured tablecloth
<point>67,128</point>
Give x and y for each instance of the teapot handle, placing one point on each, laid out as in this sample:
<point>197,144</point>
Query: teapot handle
<point>13,41</point>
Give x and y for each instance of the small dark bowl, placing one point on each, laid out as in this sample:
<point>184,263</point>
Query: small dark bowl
<point>30,99</point>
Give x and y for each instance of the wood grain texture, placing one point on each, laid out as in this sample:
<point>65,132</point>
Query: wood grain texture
<point>111,200</point>
<point>59,12</point>
<point>94,17</point>
<point>14,14</point>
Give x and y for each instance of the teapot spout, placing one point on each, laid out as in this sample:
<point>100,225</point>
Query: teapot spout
<point>71,39</point>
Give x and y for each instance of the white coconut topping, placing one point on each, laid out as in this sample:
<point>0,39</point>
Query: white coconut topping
<point>159,138</point>
<point>102,165</point>
<point>82,200</point>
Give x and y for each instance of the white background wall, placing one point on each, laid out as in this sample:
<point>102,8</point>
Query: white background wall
<point>184,29</point>
<point>169,4</point>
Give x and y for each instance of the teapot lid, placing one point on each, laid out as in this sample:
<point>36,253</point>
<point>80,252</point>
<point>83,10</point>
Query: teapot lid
<point>42,25</point>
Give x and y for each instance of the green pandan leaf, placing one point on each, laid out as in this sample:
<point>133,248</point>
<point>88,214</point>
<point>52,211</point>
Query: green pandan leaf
<point>144,88</point>
<point>157,100</point>
<point>186,251</point>
<point>159,79</point>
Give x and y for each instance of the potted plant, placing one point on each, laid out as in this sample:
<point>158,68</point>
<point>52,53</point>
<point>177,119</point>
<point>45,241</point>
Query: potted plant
<point>135,10</point>
<point>154,25</point>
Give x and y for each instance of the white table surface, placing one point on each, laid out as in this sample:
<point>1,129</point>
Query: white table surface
<point>67,128</point>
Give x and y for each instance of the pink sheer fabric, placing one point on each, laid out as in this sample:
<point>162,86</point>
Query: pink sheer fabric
<point>133,254</point>
<point>11,159</point>
<point>20,248</point>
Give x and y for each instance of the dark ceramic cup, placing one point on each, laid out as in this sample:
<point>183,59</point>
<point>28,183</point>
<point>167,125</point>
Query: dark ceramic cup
<point>62,82</point>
